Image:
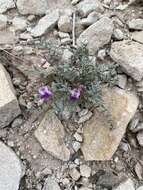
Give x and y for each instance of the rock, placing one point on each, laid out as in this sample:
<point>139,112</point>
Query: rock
<point>74,2</point>
<point>65,181</point>
<point>122,81</point>
<point>137,36</point>
<point>51,184</point>
<point>33,7</point>
<point>85,171</point>
<point>5,5</point>
<point>118,34</point>
<point>108,180</point>
<point>63,35</point>
<point>85,117</point>
<point>51,134</point>
<point>127,185</point>
<point>10,169</point>
<point>101,54</point>
<point>129,55</point>
<point>100,141</point>
<point>87,6</point>
<point>74,173</point>
<point>76,146</point>
<point>140,188</point>
<point>17,122</point>
<point>65,24</point>
<point>78,137</point>
<point>7,37</point>
<point>45,24</point>
<point>140,138</point>
<point>100,33</point>
<point>25,36</point>
<point>19,23</point>
<point>91,19</point>
<point>9,107</point>
<point>136,24</point>
<point>66,41</point>
<point>134,122</point>
<point>139,127</point>
<point>139,171</point>
<point>3,21</point>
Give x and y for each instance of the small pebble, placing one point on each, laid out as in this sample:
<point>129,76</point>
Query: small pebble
<point>75,175</point>
<point>85,171</point>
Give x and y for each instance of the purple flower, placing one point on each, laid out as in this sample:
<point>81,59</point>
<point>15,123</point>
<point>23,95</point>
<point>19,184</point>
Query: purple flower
<point>75,94</point>
<point>45,93</point>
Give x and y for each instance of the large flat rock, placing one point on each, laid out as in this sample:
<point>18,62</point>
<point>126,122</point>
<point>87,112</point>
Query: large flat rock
<point>9,107</point>
<point>129,55</point>
<point>45,24</point>
<point>51,134</point>
<point>10,169</point>
<point>100,141</point>
<point>36,7</point>
<point>40,7</point>
<point>97,35</point>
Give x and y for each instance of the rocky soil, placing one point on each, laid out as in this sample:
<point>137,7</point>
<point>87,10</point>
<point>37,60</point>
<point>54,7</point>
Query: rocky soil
<point>38,149</point>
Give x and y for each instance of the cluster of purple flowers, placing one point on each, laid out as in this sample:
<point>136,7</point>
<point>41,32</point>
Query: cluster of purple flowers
<point>46,94</point>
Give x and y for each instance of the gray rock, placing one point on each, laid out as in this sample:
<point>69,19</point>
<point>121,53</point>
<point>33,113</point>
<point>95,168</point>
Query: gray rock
<point>66,41</point>
<point>138,128</point>
<point>65,24</point>
<point>51,134</point>
<point>7,37</point>
<point>118,34</point>
<point>127,185</point>
<point>122,81</point>
<point>85,171</point>
<point>99,33</point>
<point>136,24</point>
<point>33,7</point>
<point>140,138</point>
<point>19,23</point>
<point>51,184</point>
<point>85,117</point>
<point>74,173</point>
<point>87,6</point>
<point>129,55</point>
<point>100,141</point>
<point>134,122</point>
<point>108,180</point>
<point>63,35</point>
<point>91,19</point>
<point>5,5</point>
<point>17,122</point>
<point>137,36</point>
<point>101,54</point>
<point>9,107</point>
<point>74,2</point>
<point>78,137</point>
<point>139,171</point>
<point>76,146</point>
<point>3,21</point>
<point>45,24</point>
<point>140,188</point>
<point>10,169</point>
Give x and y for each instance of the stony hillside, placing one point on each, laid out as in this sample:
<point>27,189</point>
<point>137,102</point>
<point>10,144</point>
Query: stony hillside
<point>71,92</point>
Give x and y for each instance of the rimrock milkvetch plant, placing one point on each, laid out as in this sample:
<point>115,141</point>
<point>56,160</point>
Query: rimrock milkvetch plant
<point>78,84</point>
